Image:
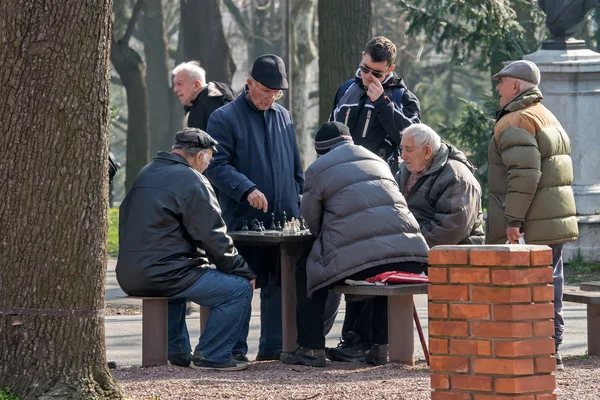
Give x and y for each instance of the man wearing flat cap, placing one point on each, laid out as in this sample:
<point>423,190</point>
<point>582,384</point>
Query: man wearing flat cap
<point>258,173</point>
<point>530,176</point>
<point>168,214</point>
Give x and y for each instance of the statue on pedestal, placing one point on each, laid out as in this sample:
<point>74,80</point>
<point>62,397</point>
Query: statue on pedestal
<point>562,18</point>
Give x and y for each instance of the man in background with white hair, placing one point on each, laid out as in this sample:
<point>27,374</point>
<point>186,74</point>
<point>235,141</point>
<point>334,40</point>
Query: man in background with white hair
<point>199,99</point>
<point>530,176</point>
<point>439,186</point>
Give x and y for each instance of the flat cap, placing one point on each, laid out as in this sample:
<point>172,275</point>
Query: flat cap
<point>269,70</point>
<point>195,138</point>
<point>522,69</point>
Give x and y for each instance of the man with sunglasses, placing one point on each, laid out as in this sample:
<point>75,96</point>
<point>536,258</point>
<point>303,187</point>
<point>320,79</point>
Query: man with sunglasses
<point>258,173</point>
<point>376,105</point>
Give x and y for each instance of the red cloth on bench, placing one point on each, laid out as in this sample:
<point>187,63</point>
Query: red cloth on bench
<point>391,277</point>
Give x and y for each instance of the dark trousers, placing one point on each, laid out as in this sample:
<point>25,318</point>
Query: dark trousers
<point>310,311</point>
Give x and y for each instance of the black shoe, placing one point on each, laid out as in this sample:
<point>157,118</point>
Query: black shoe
<point>180,360</point>
<point>239,358</point>
<point>268,357</point>
<point>378,354</point>
<point>352,349</point>
<point>304,356</point>
<point>559,362</point>
<point>227,366</point>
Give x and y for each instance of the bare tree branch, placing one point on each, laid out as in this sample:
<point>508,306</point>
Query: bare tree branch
<point>137,9</point>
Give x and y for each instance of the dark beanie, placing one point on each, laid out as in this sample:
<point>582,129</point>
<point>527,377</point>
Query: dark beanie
<point>330,134</point>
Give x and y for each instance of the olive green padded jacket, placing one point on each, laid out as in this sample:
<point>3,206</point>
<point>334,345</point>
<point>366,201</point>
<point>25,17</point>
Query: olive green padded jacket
<point>530,175</point>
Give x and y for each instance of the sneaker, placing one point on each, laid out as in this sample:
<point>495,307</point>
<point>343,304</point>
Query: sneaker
<point>239,358</point>
<point>378,354</point>
<point>304,356</point>
<point>226,366</point>
<point>352,349</point>
<point>268,357</point>
<point>180,360</point>
<point>559,362</point>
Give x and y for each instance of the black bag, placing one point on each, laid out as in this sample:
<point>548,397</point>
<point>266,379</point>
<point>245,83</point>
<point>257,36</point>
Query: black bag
<point>113,167</point>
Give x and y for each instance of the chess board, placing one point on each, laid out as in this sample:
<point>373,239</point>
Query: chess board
<point>270,232</point>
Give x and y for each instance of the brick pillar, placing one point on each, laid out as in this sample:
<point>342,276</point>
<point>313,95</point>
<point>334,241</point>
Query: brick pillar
<point>491,323</point>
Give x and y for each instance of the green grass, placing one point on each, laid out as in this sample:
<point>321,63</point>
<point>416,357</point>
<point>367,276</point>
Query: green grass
<point>113,233</point>
<point>6,394</point>
<point>578,270</point>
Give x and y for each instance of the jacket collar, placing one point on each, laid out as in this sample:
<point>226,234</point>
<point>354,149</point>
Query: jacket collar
<point>520,102</point>
<point>171,157</point>
<point>202,93</point>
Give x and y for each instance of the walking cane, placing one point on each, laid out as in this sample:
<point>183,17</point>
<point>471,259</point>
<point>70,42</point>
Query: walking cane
<point>421,336</point>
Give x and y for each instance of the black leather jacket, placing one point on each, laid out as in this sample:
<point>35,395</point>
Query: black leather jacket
<point>168,218</point>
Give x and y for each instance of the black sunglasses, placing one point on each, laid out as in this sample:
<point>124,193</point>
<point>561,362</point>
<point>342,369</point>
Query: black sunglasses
<point>366,70</point>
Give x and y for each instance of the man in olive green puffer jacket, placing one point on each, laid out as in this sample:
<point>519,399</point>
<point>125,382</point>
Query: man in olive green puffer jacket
<point>530,175</point>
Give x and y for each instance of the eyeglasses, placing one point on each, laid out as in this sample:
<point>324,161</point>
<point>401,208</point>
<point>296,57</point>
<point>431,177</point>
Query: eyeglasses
<point>275,94</point>
<point>366,70</point>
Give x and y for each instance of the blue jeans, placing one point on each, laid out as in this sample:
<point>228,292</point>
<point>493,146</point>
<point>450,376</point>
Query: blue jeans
<point>558,278</point>
<point>229,298</point>
<point>270,341</point>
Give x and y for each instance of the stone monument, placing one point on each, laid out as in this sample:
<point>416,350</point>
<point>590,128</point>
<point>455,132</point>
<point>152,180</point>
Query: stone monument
<point>571,88</point>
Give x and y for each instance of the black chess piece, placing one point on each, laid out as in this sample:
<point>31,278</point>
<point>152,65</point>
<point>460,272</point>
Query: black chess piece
<point>262,226</point>
<point>279,228</point>
<point>245,226</point>
<point>256,225</point>
<point>284,218</point>
<point>302,224</point>
<point>272,227</point>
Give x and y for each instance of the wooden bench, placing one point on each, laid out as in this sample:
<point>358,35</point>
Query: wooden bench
<point>590,286</point>
<point>400,316</point>
<point>592,299</point>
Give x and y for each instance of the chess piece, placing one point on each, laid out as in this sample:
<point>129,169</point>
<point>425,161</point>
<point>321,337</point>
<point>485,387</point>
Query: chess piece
<point>279,228</point>
<point>262,226</point>
<point>272,227</point>
<point>245,226</point>
<point>303,224</point>
<point>285,220</point>
<point>255,225</point>
<point>286,228</point>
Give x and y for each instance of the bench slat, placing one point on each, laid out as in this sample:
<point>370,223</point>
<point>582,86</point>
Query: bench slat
<point>388,290</point>
<point>582,297</point>
<point>590,286</point>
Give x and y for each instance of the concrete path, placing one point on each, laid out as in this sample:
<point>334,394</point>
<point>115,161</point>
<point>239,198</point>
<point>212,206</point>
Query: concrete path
<point>124,333</point>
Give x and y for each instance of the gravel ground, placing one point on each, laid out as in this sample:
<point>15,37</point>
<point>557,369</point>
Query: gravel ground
<point>275,380</point>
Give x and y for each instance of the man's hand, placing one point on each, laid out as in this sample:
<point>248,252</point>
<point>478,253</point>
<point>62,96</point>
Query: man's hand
<point>253,284</point>
<point>258,200</point>
<point>513,234</point>
<point>375,90</point>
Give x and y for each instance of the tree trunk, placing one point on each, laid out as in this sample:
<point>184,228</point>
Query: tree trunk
<point>157,72</point>
<point>130,67</point>
<point>304,53</point>
<point>204,39</point>
<point>344,30</point>
<point>54,183</point>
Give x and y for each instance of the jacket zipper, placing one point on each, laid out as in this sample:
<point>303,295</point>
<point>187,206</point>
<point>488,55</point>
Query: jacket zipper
<point>364,133</point>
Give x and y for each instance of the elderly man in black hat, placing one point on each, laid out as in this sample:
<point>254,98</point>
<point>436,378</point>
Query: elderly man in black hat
<point>169,213</point>
<point>258,173</point>
<point>530,176</point>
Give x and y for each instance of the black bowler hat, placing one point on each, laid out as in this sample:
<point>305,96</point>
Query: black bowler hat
<point>269,70</point>
<point>195,138</point>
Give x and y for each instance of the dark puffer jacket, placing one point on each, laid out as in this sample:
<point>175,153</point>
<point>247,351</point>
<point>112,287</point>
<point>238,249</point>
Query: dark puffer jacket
<point>353,206</point>
<point>446,200</point>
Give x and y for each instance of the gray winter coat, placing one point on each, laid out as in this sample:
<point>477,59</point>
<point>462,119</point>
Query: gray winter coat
<point>353,206</point>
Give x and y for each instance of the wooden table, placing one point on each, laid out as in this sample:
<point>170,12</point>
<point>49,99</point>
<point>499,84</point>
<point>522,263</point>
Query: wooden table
<point>292,247</point>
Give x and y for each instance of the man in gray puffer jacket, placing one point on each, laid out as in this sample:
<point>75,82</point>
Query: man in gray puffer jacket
<point>353,206</point>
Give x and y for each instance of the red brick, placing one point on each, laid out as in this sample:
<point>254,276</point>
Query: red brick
<point>438,310</point>
<point>437,275</point>
<point>470,311</point>
<point>543,328</point>
<point>500,295</point>
<point>541,257</point>
<point>543,293</point>
<point>470,347</point>
<point>526,276</point>
<point>448,257</point>
<point>449,364</point>
<point>440,381</point>
<point>501,257</point>
<point>470,382</point>
<point>445,292</point>
<point>501,366</point>
<point>449,328</point>
<point>519,312</point>
<point>450,396</point>
<point>523,348</point>
<point>501,329</point>
<point>496,397</point>
<point>529,384</point>
<point>438,346</point>
<point>545,365</point>
<point>469,275</point>
<point>546,396</point>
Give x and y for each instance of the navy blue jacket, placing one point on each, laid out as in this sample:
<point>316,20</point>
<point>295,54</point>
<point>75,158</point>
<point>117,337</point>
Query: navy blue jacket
<point>256,149</point>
